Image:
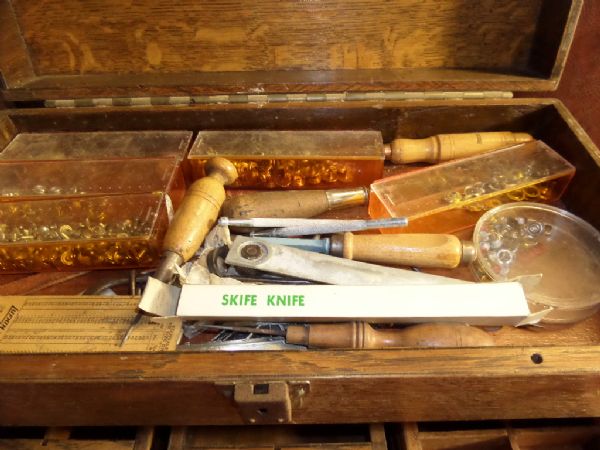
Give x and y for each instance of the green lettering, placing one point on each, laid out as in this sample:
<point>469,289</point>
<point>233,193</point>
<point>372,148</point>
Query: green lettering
<point>225,299</point>
<point>301,298</point>
<point>270,300</point>
<point>281,300</point>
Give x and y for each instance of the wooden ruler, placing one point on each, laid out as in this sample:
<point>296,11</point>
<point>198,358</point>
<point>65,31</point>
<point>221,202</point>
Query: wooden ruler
<point>80,324</point>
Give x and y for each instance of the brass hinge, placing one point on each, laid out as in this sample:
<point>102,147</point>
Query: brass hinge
<point>277,98</point>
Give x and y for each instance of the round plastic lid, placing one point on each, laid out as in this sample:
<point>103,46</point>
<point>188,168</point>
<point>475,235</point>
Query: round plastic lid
<point>520,239</point>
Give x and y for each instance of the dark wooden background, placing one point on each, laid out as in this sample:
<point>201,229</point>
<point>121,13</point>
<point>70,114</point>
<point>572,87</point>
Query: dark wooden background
<point>580,85</point>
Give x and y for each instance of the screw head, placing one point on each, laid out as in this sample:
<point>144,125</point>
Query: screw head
<point>253,251</point>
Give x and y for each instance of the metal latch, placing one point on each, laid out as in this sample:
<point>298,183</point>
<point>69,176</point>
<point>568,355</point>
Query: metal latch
<point>266,402</point>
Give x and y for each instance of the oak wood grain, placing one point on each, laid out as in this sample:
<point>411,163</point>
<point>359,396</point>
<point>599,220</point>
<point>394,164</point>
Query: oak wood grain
<point>107,48</point>
<point>15,63</point>
<point>479,384</point>
<point>215,36</point>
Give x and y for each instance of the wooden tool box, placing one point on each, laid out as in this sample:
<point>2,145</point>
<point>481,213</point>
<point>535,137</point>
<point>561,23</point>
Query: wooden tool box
<point>410,68</point>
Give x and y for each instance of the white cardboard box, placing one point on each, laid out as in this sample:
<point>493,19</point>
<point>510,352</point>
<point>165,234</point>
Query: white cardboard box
<point>472,303</point>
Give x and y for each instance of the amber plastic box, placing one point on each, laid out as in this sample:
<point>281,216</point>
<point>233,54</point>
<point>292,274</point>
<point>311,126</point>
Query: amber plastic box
<point>84,233</point>
<point>293,159</point>
<point>452,196</point>
<point>88,200</point>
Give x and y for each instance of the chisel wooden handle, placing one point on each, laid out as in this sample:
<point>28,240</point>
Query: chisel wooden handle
<point>361,335</point>
<point>196,215</point>
<point>299,204</point>
<point>444,147</point>
<point>444,251</point>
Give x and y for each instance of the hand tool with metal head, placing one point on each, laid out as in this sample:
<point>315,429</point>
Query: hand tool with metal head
<point>292,203</point>
<point>361,335</point>
<point>195,217</point>
<point>261,255</point>
<point>302,227</point>
<point>443,251</point>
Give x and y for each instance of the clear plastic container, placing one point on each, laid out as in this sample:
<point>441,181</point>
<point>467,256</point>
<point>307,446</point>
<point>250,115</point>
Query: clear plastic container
<point>293,159</point>
<point>522,239</point>
<point>452,196</point>
<point>84,145</point>
<point>25,180</point>
<point>115,231</point>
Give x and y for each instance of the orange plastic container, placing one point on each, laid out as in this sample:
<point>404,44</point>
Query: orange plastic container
<point>452,196</point>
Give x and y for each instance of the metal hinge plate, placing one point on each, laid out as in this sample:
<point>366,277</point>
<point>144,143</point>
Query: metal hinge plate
<point>278,98</point>
<point>266,402</point>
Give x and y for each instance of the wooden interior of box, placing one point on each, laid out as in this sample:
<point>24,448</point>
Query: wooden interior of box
<point>547,120</point>
<point>110,48</point>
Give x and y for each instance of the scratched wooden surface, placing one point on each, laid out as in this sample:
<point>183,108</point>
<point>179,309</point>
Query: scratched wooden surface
<point>345,386</point>
<point>278,46</point>
<point>392,385</point>
<point>109,36</point>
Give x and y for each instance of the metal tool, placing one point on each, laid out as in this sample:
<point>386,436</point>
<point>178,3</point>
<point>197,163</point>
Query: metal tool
<point>361,335</point>
<point>279,259</point>
<point>292,203</point>
<point>261,336</point>
<point>444,251</point>
<point>303,227</point>
<point>195,217</point>
<point>244,344</point>
<point>215,262</point>
<point>138,314</point>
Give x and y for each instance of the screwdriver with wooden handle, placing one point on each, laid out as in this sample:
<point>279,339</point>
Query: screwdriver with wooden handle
<point>361,335</point>
<point>441,251</point>
<point>196,215</point>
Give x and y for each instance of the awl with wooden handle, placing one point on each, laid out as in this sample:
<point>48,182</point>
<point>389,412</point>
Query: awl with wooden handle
<point>442,251</point>
<point>196,215</point>
<point>300,204</point>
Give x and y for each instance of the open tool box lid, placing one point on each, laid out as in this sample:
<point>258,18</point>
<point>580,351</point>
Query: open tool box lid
<point>51,50</point>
